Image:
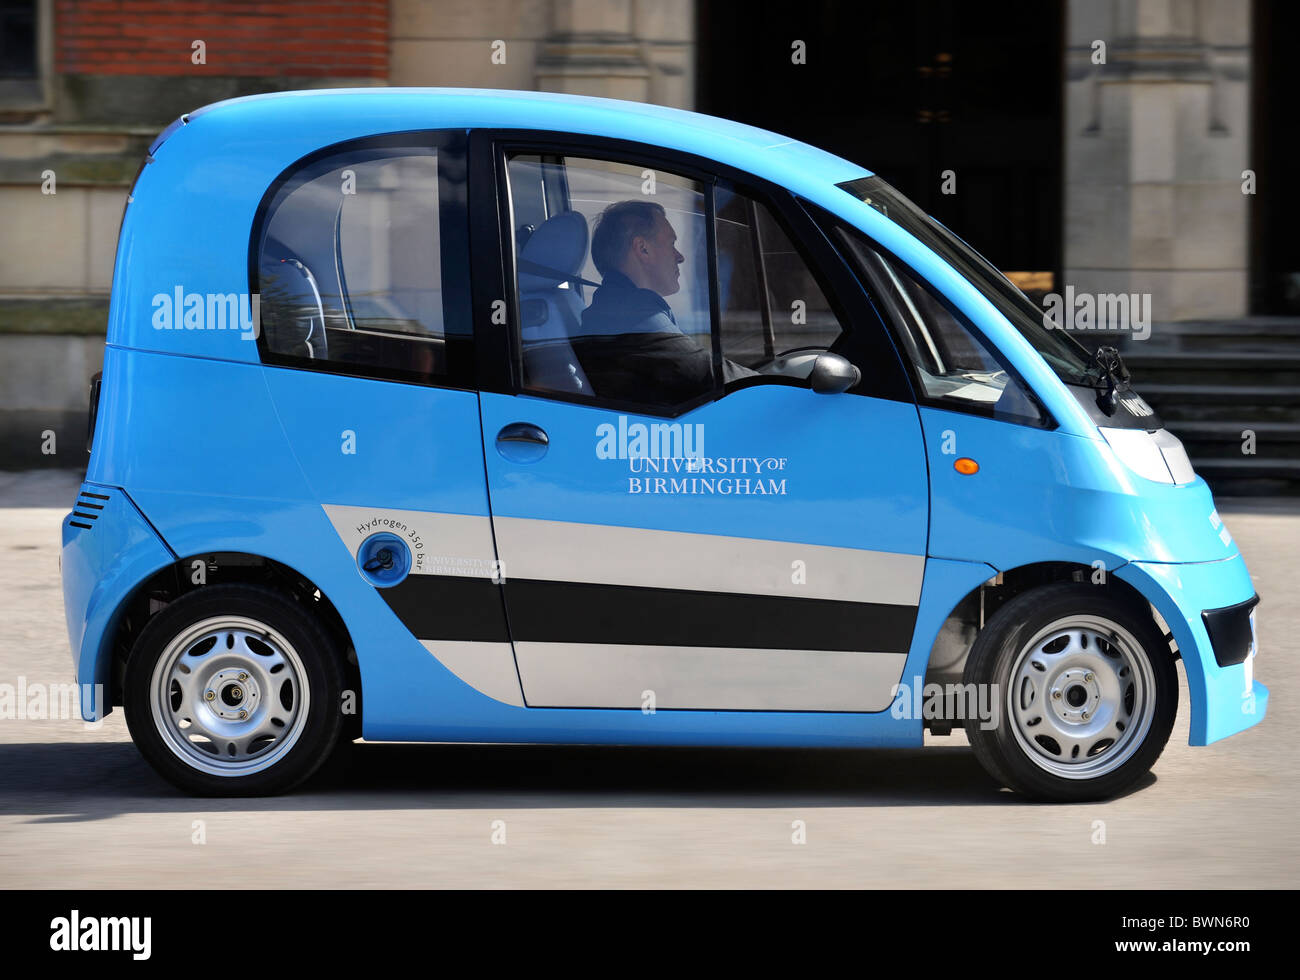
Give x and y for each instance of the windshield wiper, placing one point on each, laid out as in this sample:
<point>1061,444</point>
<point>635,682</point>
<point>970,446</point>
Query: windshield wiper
<point>1109,365</point>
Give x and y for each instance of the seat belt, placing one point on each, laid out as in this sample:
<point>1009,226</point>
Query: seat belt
<point>537,269</point>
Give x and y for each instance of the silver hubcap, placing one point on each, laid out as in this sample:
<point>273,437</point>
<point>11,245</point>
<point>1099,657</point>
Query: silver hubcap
<point>229,696</point>
<point>1082,697</point>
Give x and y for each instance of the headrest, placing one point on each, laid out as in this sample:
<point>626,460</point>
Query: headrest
<point>559,244</point>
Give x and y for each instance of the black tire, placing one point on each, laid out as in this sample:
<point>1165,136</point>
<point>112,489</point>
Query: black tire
<point>321,669</point>
<point>994,656</point>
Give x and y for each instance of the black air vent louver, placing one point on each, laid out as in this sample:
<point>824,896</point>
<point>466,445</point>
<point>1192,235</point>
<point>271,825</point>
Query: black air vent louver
<point>89,506</point>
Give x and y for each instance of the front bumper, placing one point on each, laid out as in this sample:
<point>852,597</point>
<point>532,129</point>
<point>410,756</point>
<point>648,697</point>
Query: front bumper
<point>1225,699</point>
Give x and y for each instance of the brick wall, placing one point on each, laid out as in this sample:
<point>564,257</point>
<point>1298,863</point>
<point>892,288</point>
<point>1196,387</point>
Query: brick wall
<point>344,38</point>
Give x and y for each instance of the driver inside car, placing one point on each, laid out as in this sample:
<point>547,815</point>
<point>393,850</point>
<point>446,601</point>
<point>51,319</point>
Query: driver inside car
<point>631,346</point>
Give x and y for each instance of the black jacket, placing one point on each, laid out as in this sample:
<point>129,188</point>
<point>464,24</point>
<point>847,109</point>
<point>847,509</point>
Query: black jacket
<point>632,349</point>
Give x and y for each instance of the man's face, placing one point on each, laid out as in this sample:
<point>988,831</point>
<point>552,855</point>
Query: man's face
<point>653,263</point>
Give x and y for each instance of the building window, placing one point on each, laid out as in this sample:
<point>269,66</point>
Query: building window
<point>24,53</point>
<point>18,39</point>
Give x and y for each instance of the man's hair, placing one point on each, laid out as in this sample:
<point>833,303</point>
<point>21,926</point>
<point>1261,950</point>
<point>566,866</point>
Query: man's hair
<point>617,225</point>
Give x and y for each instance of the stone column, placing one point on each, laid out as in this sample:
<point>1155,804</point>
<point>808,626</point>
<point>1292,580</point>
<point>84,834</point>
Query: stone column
<point>1156,139</point>
<point>620,49</point>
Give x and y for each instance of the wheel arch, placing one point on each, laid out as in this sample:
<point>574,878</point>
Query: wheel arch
<point>193,572</point>
<point>966,618</point>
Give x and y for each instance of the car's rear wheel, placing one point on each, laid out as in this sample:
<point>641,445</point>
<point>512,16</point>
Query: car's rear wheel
<point>1087,692</point>
<point>233,690</point>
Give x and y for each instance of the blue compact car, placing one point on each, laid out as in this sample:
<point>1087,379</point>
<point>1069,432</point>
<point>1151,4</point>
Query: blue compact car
<point>473,416</point>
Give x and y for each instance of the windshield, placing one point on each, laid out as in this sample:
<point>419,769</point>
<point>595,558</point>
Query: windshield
<point>1067,357</point>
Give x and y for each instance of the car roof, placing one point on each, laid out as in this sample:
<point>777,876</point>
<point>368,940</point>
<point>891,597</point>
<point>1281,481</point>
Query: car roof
<point>371,111</point>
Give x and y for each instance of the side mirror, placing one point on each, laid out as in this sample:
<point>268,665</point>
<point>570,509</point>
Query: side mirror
<point>832,374</point>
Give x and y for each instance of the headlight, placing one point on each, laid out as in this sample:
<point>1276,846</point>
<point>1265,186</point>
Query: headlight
<point>1158,455</point>
<point>1171,448</point>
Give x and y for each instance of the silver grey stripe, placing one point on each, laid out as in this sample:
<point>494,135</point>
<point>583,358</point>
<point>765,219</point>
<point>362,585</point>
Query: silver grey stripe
<point>570,552</point>
<point>458,544</point>
<point>489,668</point>
<point>441,544</point>
<point>584,675</point>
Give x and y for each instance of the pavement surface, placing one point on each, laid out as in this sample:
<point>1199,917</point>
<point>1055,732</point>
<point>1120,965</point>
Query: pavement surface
<point>79,808</point>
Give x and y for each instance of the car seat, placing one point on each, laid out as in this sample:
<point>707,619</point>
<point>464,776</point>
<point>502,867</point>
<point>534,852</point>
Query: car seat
<point>551,303</point>
<point>293,313</point>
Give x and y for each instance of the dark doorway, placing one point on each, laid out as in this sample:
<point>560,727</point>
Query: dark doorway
<point>1275,146</point>
<point>910,90</point>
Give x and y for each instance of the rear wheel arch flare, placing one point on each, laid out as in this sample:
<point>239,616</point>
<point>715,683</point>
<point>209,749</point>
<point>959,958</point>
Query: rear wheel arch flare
<point>177,579</point>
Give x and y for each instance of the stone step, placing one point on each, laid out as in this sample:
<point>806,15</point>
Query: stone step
<point>1212,380</point>
<point>1219,431</point>
<point>1260,334</point>
<point>1247,405</point>
<point>1261,360</point>
<point>1225,368</point>
<point>1227,394</point>
<point>1221,470</point>
<point>1224,440</point>
<point>1262,326</point>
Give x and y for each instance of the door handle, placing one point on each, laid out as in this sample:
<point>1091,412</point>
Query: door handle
<point>522,442</point>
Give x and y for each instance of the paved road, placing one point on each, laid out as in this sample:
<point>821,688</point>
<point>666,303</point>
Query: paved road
<point>79,808</point>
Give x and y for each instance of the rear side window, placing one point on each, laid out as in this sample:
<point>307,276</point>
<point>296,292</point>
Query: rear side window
<point>359,259</point>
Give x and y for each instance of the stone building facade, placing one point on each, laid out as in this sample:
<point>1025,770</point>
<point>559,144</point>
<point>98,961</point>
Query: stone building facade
<point>1156,142</point>
<point>1145,196</point>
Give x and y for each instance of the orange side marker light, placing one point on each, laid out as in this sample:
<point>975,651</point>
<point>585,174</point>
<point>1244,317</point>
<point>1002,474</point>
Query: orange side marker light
<point>966,466</point>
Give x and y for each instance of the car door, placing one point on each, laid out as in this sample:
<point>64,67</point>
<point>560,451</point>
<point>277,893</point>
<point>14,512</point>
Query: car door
<point>361,258</point>
<point>682,523</point>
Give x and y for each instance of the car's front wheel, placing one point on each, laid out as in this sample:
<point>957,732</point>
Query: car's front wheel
<point>1087,691</point>
<point>234,690</point>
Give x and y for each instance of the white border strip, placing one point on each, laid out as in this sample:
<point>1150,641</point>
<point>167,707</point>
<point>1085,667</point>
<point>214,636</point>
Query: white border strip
<point>489,668</point>
<point>585,675</point>
<point>606,554</point>
<point>441,544</point>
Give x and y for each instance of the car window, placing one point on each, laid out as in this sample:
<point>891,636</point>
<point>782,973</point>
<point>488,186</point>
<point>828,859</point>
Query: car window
<point>775,318</point>
<point>1063,353</point>
<point>613,270</point>
<point>953,367</point>
<point>350,264</point>
<point>612,282</point>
